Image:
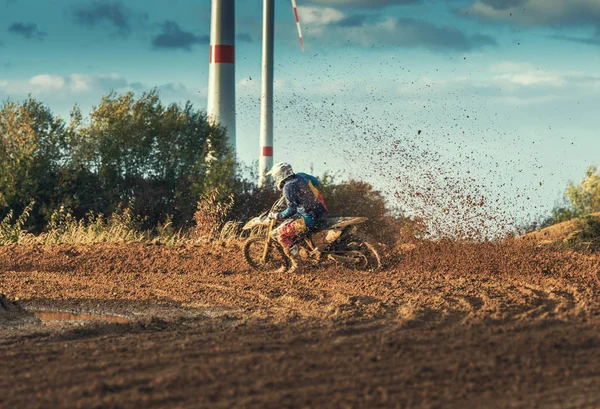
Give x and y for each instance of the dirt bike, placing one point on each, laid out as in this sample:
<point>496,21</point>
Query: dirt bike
<point>336,240</point>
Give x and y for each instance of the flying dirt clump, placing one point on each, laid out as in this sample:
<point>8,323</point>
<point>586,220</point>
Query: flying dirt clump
<point>13,314</point>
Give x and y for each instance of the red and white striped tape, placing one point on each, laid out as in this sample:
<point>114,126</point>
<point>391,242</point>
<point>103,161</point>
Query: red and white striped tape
<point>298,24</point>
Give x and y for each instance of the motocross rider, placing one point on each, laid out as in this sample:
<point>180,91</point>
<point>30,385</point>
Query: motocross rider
<point>305,206</point>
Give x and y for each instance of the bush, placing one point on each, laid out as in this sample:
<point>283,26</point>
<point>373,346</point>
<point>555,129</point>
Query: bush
<point>354,198</point>
<point>586,235</point>
<point>138,148</point>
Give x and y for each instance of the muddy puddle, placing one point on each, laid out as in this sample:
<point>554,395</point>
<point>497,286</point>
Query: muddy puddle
<point>57,317</point>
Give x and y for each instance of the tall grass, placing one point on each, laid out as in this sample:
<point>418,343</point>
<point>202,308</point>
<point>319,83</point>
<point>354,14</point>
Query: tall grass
<point>166,234</point>
<point>14,232</point>
<point>211,215</point>
<point>123,226</point>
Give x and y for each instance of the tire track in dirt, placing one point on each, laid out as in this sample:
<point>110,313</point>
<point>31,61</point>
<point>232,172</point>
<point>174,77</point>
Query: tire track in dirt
<point>429,286</point>
<point>449,325</point>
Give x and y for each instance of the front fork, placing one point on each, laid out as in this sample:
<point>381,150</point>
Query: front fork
<point>267,241</point>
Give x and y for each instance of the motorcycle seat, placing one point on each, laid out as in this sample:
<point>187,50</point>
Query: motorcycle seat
<point>339,223</point>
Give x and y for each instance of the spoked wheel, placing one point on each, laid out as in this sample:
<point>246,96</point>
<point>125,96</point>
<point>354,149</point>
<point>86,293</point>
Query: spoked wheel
<point>254,253</point>
<point>364,254</point>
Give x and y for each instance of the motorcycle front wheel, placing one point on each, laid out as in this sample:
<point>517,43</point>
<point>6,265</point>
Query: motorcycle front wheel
<point>254,254</point>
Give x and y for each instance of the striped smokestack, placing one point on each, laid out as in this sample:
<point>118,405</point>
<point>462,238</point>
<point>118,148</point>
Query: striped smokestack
<point>221,75</point>
<point>265,161</point>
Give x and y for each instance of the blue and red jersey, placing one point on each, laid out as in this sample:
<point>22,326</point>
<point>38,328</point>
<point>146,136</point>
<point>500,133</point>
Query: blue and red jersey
<point>303,198</point>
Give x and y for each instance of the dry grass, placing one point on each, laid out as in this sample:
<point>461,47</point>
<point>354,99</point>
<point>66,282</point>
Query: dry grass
<point>124,227</point>
<point>13,232</point>
<point>121,226</point>
<point>211,215</point>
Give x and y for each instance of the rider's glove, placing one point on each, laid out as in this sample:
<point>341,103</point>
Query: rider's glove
<point>274,215</point>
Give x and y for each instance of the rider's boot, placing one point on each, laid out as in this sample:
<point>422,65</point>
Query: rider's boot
<point>294,256</point>
<point>284,268</point>
<point>296,265</point>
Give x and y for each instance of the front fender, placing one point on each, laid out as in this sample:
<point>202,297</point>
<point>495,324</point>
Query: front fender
<point>255,222</point>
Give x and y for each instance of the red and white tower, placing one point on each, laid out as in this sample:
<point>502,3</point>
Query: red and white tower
<point>265,160</point>
<point>221,75</point>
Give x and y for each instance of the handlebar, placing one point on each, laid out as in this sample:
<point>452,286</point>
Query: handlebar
<point>279,204</point>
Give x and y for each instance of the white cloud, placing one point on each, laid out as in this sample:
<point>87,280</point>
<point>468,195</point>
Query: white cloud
<point>319,16</point>
<point>62,92</point>
<point>365,4</point>
<point>251,88</point>
<point>539,12</point>
<point>82,85</point>
<point>44,84</point>
<point>87,83</point>
<point>528,75</point>
<point>47,82</point>
<point>338,28</point>
<point>509,66</point>
<point>248,87</point>
<point>510,83</point>
<point>559,15</point>
<point>280,85</point>
<point>531,78</point>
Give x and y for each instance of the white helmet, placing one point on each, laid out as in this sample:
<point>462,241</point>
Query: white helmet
<point>280,173</point>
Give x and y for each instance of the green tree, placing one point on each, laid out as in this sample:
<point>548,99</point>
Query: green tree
<point>584,198</point>
<point>157,154</point>
<point>128,148</point>
<point>581,199</point>
<point>32,151</point>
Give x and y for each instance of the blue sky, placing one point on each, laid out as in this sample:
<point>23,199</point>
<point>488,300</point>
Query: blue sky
<point>433,101</point>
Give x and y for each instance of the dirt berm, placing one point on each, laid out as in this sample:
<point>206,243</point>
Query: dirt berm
<point>558,233</point>
<point>449,325</point>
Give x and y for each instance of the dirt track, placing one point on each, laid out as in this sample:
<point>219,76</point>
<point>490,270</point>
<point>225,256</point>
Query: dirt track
<point>450,325</point>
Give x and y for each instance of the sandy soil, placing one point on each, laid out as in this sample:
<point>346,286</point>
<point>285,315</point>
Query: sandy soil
<point>447,325</point>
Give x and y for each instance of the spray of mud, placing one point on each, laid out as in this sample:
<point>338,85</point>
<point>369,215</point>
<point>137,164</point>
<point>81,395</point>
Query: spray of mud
<point>449,195</point>
<point>439,156</point>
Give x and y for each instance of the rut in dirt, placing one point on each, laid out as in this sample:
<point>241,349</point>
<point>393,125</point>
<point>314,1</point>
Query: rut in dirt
<point>436,281</point>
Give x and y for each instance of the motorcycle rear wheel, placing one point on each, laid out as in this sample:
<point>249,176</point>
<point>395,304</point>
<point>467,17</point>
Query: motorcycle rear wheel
<point>253,253</point>
<point>368,257</point>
